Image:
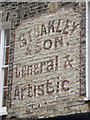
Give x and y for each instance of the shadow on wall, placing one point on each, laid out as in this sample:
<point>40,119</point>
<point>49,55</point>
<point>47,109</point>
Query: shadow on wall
<point>81,116</point>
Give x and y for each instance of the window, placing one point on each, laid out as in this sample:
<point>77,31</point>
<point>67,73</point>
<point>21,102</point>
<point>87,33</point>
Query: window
<point>87,51</point>
<point>4,49</point>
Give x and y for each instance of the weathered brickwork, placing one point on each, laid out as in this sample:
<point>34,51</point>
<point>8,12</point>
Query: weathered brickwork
<point>46,59</point>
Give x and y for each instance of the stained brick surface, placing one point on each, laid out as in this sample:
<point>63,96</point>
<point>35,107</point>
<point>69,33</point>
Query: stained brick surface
<point>46,59</point>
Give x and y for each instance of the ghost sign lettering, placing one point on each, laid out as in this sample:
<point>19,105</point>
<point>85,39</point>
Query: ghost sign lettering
<point>46,62</point>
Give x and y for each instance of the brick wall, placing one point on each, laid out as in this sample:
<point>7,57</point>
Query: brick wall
<point>46,59</point>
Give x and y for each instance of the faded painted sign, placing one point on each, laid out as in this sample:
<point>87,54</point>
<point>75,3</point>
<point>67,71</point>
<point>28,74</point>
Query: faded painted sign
<point>46,67</point>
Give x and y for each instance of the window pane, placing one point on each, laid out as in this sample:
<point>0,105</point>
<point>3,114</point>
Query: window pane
<point>6,48</point>
<point>5,86</point>
<point>4,98</point>
<point>5,76</point>
<point>6,56</point>
<point>7,32</point>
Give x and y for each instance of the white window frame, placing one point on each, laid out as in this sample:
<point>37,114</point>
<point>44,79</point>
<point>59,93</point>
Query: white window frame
<point>3,27</point>
<point>87,98</point>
